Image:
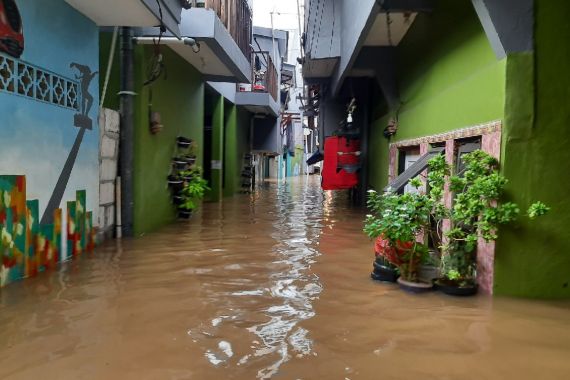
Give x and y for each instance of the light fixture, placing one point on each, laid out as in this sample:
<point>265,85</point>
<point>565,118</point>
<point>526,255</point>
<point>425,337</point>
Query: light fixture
<point>391,128</point>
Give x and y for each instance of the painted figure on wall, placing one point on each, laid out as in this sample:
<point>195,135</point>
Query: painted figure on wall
<point>85,77</point>
<point>11,30</point>
<point>81,121</point>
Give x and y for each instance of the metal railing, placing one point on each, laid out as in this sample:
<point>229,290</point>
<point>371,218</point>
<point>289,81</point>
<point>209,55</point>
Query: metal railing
<point>263,75</point>
<point>236,15</point>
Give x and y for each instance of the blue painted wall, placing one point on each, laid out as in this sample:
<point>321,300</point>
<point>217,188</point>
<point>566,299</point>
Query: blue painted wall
<point>36,137</point>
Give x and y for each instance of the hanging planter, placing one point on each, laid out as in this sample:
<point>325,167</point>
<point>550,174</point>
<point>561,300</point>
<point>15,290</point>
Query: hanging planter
<point>177,200</point>
<point>184,214</point>
<point>183,142</point>
<point>180,163</point>
<point>190,160</point>
<point>175,183</point>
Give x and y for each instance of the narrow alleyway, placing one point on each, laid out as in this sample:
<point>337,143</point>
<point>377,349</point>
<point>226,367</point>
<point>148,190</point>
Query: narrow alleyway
<point>273,285</point>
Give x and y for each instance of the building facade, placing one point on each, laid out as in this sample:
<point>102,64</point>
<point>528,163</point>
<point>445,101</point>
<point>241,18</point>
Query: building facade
<point>462,75</point>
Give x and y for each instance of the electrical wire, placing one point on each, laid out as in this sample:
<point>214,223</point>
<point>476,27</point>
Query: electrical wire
<point>156,64</point>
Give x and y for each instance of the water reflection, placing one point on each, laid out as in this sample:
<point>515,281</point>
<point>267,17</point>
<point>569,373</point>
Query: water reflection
<point>287,295</point>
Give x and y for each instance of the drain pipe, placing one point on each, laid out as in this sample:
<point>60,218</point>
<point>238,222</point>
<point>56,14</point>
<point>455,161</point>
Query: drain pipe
<point>127,131</point>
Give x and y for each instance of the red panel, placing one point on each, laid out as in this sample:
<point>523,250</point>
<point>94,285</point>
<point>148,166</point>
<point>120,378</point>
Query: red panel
<point>333,177</point>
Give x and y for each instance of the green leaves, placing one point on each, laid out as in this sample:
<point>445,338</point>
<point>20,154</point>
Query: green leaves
<point>537,209</point>
<point>194,188</point>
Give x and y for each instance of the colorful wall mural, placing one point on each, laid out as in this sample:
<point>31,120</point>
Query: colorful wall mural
<point>28,247</point>
<point>49,140</point>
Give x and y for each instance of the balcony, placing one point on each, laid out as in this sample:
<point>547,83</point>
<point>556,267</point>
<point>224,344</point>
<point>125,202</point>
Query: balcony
<point>261,96</point>
<point>236,16</point>
<point>223,32</point>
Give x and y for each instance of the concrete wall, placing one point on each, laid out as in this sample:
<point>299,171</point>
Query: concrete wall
<point>266,137</point>
<point>448,78</point>
<point>179,97</point>
<point>532,258</point>
<point>356,21</point>
<point>49,138</point>
<point>41,137</point>
<point>236,146</point>
<point>324,20</point>
<point>109,129</point>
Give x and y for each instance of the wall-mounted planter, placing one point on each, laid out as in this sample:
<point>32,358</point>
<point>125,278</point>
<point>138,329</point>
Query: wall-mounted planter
<point>184,214</point>
<point>175,183</point>
<point>189,159</point>
<point>180,163</point>
<point>177,200</point>
<point>183,142</point>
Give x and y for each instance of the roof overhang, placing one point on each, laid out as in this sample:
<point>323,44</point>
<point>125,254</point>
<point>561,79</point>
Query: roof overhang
<point>135,13</point>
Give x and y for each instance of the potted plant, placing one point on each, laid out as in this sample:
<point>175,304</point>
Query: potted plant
<point>192,192</point>
<point>175,182</point>
<point>476,215</point>
<point>403,224</point>
<point>398,220</point>
<point>180,163</point>
<point>189,174</point>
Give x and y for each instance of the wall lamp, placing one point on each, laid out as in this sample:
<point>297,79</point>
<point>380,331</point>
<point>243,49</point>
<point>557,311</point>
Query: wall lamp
<point>195,45</point>
<point>391,128</point>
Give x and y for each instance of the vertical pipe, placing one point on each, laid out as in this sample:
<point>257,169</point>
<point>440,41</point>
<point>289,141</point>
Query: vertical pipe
<point>118,219</point>
<point>127,130</point>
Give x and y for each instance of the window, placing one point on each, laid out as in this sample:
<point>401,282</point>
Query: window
<point>463,147</point>
<point>406,159</point>
<point>415,168</point>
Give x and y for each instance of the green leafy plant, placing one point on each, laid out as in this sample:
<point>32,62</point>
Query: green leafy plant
<point>193,171</point>
<point>476,215</point>
<point>402,218</point>
<point>194,188</point>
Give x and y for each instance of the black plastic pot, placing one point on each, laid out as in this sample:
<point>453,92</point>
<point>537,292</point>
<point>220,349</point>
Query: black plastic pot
<point>179,163</point>
<point>175,182</point>
<point>177,200</point>
<point>414,287</point>
<point>183,142</point>
<point>455,290</point>
<point>384,273</point>
<point>184,214</point>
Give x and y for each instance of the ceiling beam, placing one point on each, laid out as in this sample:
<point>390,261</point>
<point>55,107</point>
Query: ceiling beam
<point>508,24</point>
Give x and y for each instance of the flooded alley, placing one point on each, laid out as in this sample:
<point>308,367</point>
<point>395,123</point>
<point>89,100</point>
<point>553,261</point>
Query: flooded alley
<point>273,285</point>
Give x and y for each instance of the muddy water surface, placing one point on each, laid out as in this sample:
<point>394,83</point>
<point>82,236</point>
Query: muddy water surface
<point>273,285</point>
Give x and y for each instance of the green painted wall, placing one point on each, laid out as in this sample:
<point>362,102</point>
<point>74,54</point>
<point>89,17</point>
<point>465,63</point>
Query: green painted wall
<point>533,259</point>
<point>218,124</point>
<point>179,97</point>
<point>237,144</point>
<point>449,78</point>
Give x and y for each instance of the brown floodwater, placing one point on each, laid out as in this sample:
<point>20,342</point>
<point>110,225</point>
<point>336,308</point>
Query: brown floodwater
<point>272,285</point>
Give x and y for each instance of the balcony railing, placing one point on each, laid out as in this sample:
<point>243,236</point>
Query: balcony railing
<point>264,75</point>
<point>237,17</point>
